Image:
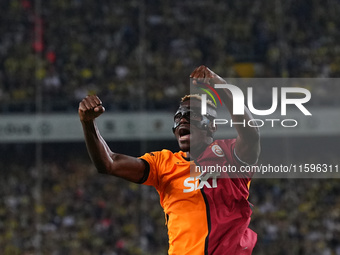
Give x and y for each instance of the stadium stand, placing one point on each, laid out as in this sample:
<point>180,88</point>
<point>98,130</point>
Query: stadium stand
<point>80,46</point>
<point>85,47</point>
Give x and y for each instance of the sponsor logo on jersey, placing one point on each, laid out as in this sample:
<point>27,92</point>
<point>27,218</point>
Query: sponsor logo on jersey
<point>195,183</point>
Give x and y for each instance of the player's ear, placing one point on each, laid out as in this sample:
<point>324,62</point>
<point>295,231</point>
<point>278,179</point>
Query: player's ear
<point>212,127</point>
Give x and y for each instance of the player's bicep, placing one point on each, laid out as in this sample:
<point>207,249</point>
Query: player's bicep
<point>127,167</point>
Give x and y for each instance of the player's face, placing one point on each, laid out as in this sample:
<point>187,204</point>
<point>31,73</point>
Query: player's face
<point>189,135</point>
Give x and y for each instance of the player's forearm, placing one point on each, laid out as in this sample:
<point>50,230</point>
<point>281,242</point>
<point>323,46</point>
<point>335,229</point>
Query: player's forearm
<point>96,146</point>
<point>251,132</point>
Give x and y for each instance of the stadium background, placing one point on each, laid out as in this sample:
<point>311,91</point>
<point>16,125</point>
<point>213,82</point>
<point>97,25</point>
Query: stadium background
<point>137,55</point>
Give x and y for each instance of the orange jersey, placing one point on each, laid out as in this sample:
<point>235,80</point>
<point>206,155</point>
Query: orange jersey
<point>205,215</point>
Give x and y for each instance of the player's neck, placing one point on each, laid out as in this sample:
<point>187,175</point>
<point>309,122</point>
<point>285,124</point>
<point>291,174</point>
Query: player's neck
<point>194,153</point>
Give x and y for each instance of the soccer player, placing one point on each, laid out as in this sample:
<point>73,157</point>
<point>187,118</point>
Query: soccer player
<point>204,214</point>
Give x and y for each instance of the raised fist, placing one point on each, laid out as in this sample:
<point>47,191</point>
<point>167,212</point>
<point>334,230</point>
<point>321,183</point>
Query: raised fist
<point>90,108</point>
<point>203,74</point>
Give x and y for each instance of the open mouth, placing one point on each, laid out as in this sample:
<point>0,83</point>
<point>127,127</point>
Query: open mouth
<point>184,132</point>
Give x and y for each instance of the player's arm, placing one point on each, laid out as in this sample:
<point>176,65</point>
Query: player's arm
<point>106,161</point>
<point>247,147</point>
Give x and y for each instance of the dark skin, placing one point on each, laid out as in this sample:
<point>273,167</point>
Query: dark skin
<point>247,145</point>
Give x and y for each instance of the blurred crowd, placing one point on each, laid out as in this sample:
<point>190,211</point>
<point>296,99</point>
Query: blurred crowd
<point>83,212</point>
<point>69,209</point>
<point>295,216</point>
<point>139,54</point>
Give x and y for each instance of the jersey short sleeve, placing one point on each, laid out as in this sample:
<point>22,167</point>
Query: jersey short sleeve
<point>154,161</point>
<point>161,166</point>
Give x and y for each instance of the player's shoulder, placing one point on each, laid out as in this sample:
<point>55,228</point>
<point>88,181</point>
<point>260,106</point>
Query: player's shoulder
<point>169,154</point>
<point>165,153</point>
<point>164,159</point>
<point>226,142</point>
